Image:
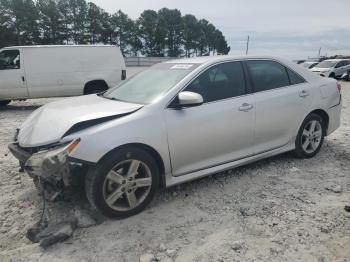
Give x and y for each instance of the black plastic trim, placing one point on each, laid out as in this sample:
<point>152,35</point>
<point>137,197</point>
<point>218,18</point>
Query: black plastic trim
<point>89,123</point>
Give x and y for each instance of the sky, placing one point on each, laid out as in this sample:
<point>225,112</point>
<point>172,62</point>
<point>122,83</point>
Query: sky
<point>294,29</point>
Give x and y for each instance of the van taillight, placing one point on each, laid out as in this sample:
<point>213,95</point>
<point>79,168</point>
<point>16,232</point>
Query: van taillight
<point>123,74</point>
<point>339,86</point>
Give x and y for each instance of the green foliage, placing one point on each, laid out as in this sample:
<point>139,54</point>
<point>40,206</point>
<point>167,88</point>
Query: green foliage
<point>162,33</point>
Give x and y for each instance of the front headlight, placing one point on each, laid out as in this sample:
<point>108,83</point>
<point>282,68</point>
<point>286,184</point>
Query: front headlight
<point>51,162</point>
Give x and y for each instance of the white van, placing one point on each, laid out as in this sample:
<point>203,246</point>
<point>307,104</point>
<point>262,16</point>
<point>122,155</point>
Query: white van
<point>53,71</point>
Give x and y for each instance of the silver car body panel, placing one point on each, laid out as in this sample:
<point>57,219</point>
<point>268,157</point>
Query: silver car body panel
<point>197,141</point>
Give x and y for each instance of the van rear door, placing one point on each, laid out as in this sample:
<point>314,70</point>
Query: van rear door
<point>12,75</point>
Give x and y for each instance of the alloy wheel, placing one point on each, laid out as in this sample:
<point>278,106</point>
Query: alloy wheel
<point>127,185</point>
<point>311,136</point>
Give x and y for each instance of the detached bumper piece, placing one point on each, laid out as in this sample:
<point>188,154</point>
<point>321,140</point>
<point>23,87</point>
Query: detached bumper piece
<point>50,169</point>
<point>19,153</point>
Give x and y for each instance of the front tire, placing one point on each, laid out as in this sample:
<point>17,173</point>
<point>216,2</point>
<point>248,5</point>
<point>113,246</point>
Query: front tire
<point>123,184</point>
<point>310,136</point>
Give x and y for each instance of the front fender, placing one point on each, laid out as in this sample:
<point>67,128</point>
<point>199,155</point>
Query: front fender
<point>100,140</point>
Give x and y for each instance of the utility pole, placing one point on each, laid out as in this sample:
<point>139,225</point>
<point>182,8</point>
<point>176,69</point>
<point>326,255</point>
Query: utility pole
<point>246,51</point>
<point>319,52</point>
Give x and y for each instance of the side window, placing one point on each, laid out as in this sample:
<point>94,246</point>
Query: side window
<point>219,82</point>
<point>267,75</point>
<point>9,59</point>
<point>295,78</point>
<point>340,64</point>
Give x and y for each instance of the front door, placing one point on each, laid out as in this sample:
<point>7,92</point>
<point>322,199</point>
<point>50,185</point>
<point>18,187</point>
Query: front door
<point>218,131</point>
<point>12,78</point>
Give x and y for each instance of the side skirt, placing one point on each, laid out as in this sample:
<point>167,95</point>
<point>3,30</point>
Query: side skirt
<point>173,180</point>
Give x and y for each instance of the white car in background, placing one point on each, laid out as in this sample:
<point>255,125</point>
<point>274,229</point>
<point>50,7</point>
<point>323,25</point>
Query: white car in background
<point>54,71</point>
<point>333,68</point>
<point>175,122</point>
<point>309,64</point>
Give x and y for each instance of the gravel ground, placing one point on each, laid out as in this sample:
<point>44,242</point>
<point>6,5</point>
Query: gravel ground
<point>278,209</point>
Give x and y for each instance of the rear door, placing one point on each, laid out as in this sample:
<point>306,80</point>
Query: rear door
<point>218,131</point>
<point>281,97</point>
<point>12,77</point>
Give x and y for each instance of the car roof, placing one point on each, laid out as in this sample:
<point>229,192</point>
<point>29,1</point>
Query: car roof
<point>218,58</point>
<point>337,60</point>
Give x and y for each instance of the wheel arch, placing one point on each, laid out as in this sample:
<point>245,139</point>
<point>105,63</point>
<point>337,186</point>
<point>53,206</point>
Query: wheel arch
<point>154,153</point>
<point>95,83</point>
<point>324,115</point>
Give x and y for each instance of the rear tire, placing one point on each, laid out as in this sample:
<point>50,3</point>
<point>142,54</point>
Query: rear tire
<point>4,103</point>
<point>310,136</point>
<point>123,183</point>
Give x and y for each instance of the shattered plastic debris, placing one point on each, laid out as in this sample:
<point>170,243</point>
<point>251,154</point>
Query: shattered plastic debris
<point>47,236</point>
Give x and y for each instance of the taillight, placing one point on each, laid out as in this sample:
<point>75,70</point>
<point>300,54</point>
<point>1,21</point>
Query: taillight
<point>123,74</point>
<point>339,86</point>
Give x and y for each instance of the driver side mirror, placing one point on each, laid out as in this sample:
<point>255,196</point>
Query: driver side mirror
<point>188,99</point>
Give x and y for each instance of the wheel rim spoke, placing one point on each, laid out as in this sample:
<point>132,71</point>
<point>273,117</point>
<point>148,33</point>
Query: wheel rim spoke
<point>305,133</point>
<point>112,198</point>
<point>313,145</point>
<point>142,182</point>
<point>306,144</point>
<point>313,125</point>
<point>132,200</point>
<point>134,166</point>
<point>115,177</point>
<point>318,134</point>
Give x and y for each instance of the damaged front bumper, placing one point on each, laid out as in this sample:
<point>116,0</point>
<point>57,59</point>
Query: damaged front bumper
<point>50,167</point>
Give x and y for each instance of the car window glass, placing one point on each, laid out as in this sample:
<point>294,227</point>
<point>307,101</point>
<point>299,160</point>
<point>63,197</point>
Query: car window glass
<point>220,82</point>
<point>9,59</point>
<point>267,75</point>
<point>294,77</point>
<point>340,64</point>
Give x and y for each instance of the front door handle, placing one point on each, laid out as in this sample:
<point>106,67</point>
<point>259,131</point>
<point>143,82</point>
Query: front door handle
<point>304,93</point>
<point>23,79</point>
<point>245,107</point>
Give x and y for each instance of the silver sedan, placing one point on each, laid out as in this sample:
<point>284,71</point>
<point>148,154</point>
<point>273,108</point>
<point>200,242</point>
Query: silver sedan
<point>175,122</point>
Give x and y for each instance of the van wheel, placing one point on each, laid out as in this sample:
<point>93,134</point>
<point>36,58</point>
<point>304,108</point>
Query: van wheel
<point>310,136</point>
<point>4,102</point>
<point>123,184</point>
<point>94,87</point>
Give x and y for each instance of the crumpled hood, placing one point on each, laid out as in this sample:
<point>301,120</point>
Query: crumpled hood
<point>50,122</point>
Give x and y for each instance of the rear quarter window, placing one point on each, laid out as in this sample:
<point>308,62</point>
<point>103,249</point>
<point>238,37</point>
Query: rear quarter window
<point>294,77</point>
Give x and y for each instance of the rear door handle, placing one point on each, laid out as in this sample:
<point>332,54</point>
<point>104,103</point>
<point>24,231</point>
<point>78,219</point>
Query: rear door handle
<point>245,107</point>
<point>304,93</point>
<point>23,79</point>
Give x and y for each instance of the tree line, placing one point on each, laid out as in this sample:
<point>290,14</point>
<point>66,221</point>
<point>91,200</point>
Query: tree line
<point>163,33</point>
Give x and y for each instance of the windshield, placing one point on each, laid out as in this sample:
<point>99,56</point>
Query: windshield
<point>151,84</point>
<point>327,64</point>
